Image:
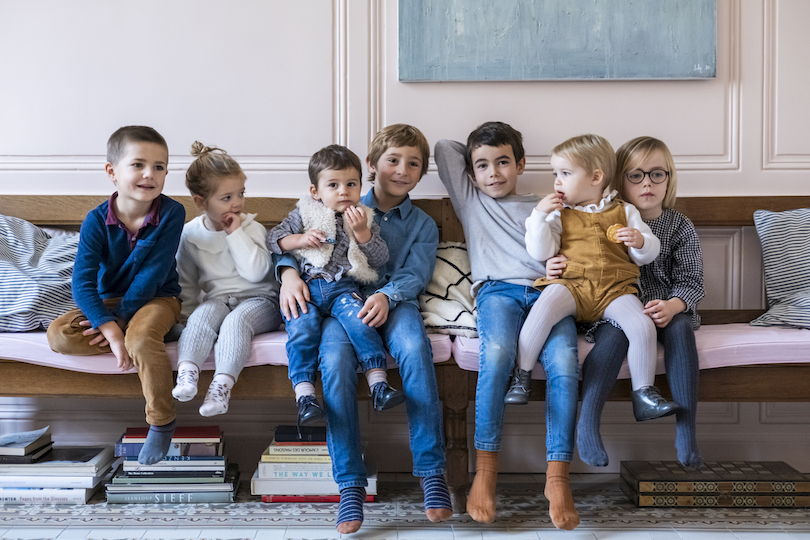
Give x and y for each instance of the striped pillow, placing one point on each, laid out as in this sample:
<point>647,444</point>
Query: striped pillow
<point>785,239</point>
<point>35,275</point>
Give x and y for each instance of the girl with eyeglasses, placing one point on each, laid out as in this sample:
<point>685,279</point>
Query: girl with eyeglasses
<point>671,287</point>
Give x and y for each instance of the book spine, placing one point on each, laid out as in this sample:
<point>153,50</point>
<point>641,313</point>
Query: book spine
<point>181,460</point>
<point>295,471</point>
<point>319,449</point>
<point>307,498</point>
<point>664,488</point>
<point>295,459</point>
<point>171,498</point>
<point>47,481</point>
<point>322,444</point>
<point>124,449</point>
<point>43,496</point>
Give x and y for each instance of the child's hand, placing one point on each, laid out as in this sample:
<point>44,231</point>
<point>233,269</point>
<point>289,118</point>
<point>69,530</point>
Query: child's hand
<point>375,310</point>
<point>555,266</point>
<point>356,218</point>
<point>230,222</point>
<point>549,203</point>
<point>631,237</point>
<point>115,337</point>
<point>662,311</point>
<point>293,294</point>
<point>311,239</point>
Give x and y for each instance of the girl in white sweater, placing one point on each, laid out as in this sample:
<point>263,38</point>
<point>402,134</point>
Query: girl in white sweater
<point>229,292</point>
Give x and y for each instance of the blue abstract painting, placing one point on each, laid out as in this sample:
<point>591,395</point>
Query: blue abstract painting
<point>530,40</point>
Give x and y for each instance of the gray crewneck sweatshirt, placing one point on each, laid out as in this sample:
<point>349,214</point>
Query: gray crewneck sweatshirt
<point>494,228</point>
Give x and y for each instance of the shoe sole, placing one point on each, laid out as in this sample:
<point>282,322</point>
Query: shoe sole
<point>391,403</point>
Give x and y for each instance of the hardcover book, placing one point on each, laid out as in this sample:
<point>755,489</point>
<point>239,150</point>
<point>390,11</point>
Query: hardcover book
<point>718,484</point>
<point>272,486</point>
<point>22,495</point>
<point>295,470</point>
<point>301,449</point>
<point>31,457</point>
<point>286,435</point>
<point>67,460</point>
<point>123,449</point>
<point>20,444</point>
<point>182,434</point>
<point>308,498</point>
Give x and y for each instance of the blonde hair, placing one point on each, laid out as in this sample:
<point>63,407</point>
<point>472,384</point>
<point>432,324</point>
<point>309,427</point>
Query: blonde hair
<point>591,152</point>
<point>211,165</point>
<point>395,136</point>
<point>635,152</point>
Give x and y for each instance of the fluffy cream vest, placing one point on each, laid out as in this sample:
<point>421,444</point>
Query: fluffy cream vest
<point>317,216</point>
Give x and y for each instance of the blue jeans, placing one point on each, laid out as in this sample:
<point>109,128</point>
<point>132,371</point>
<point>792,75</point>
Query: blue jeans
<point>404,334</point>
<point>502,308</point>
<point>330,299</point>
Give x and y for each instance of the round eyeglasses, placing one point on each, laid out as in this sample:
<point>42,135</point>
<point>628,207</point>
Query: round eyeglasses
<point>657,176</point>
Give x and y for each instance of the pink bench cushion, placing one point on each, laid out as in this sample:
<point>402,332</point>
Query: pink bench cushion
<point>720,345</point>
<point>268,349</point>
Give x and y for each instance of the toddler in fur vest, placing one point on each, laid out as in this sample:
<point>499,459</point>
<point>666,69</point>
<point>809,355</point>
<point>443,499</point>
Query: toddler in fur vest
<point>337,246</point>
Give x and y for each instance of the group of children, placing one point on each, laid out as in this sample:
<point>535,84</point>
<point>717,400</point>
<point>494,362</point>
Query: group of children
<point>351,267</point>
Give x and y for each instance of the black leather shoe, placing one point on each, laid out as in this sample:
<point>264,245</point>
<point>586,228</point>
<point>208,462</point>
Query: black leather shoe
<point>384,397</point>
<point>648,404</point>
<point>518,393</point>
<point>309,411</point>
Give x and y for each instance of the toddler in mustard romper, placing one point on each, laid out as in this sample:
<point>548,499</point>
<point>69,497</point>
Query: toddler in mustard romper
<point>605,241</point>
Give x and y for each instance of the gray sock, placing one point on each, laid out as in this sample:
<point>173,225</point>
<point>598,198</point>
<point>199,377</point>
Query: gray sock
<point>158,440</point>
<point>599,372</point>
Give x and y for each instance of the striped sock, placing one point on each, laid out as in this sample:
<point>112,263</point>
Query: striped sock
<point>351,505</point>
<point>436,493</point>
<point>438,506</point>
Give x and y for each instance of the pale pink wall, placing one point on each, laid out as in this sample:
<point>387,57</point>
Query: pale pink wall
<point>274,81</point>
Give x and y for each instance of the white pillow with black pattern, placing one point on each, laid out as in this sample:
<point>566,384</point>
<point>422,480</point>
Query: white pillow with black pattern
<point>785,239</point>
<point>447,305</point>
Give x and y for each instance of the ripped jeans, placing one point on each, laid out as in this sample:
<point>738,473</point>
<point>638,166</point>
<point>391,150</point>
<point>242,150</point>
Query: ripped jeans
<point>330,299</point>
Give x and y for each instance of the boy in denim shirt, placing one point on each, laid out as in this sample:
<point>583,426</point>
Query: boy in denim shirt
<point>481,180</point>
<point>397,160</point>
<point>125,281</point>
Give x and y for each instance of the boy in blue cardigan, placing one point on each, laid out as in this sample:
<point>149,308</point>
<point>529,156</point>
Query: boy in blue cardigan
<point>125,281</point>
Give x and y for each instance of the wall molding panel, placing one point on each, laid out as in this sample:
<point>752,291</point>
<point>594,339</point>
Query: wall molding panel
<point>773,68</point>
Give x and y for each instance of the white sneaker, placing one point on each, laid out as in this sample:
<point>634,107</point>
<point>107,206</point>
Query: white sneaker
<point>186,387</point>
<point>216,400</point>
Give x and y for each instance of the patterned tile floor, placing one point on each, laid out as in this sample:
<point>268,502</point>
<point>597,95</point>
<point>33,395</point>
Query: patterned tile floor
<point>522,514</point>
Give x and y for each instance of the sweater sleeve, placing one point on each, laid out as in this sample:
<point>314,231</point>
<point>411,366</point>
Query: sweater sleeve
<point>687,266</point>
<point>92,244</point>
<point>652,245</point>
<point>159,261</point>
<point>189,274</point>
<point>375,250</point>
<point>249,251</point>
<point>543,234</point>
<point>452,164</point>
<point>292,224</point>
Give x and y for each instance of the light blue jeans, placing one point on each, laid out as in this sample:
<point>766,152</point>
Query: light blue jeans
<point>404,335</point>
<point>330,299</point>
<point>502,308</point>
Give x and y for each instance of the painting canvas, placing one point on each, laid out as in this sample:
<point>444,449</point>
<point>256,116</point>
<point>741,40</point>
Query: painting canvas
<point>526,40</point>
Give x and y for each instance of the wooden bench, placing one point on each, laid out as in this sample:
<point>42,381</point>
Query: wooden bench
<point>456,386</point>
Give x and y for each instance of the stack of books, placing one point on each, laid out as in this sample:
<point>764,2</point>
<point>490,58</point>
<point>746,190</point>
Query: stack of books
<point>33,471</point>
<point>740,484</point>
<point>195,470</point>
<point>298,468</point>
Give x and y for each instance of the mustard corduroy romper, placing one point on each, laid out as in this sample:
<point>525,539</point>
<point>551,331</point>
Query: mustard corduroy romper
<point>598,270</point>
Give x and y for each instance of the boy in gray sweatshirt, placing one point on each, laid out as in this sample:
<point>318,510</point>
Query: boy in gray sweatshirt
<point>481,180</point>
